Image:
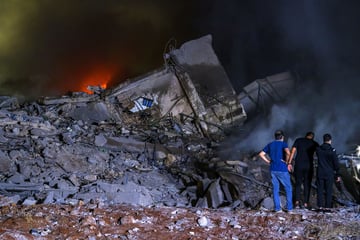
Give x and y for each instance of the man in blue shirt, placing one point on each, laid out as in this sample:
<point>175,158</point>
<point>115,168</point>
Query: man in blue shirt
<point>277,153</point>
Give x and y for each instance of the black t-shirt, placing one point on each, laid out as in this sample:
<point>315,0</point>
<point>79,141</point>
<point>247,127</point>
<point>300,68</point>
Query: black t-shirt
<point>305,149</point>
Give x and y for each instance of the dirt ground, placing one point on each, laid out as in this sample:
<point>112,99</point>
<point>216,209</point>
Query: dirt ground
<point>93,221</point>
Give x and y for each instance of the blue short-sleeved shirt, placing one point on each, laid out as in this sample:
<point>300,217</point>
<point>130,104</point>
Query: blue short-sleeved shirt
<point>276,152</point>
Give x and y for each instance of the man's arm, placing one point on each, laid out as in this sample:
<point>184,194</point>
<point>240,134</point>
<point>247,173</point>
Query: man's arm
<point>288,158</point>
<point>287,154</point>
<point>292,154</point>
<point>263,156</point>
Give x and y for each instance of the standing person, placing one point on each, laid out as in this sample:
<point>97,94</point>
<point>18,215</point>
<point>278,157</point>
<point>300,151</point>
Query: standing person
<point>327,172</point>
<point>304,148</point>
<point>276,153</point>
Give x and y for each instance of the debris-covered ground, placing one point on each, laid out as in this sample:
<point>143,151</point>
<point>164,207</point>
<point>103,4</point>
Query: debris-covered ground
<point>69,179</point>
<point>92,221</point>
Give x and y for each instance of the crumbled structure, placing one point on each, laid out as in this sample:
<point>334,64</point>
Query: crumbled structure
<point>192,85</point>
<point>259,95</point>
<point>115,144</point>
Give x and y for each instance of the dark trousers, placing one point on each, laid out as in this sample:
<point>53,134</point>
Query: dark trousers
<point>324,186</point>
<point>303,176</point>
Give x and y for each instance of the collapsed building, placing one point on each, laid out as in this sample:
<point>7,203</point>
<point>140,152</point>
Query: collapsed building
<point>150,140</point>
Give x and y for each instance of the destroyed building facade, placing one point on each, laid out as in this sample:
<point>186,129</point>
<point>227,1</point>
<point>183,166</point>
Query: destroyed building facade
<point>192,85</point>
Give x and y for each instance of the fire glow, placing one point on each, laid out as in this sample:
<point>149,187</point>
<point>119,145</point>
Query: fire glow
<point>98,77</point>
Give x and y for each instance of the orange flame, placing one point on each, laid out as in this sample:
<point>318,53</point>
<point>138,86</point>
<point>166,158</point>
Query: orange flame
<point>98,77</point>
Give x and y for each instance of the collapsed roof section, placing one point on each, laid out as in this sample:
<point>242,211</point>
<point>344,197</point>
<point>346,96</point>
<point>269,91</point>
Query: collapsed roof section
<point>259,95</point>
<point>192,85</point>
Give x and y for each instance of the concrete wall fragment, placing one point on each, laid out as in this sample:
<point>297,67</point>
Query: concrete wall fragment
<point>193,85</point>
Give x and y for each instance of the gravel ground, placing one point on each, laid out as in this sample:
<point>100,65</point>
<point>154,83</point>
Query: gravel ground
<point>94,221</point>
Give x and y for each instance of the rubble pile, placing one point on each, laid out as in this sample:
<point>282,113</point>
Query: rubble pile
<point>48,156</point>
<point>147,141</point>
<point>67,149</point>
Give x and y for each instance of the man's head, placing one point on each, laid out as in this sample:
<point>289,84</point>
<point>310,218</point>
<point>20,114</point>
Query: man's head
<point>327,138</point>
<point>310,135</point>
<point>279,134</point>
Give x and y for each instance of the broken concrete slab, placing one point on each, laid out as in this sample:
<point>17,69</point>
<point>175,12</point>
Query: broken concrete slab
<point>68,99</point>
<point>10,103</point>
<point>182,87</point>
<point>24,186</point>
<point>5,162</point>
<point>260,94</point>
<point>91,112</point>
<point>129,193</point>
<point>215,195</point>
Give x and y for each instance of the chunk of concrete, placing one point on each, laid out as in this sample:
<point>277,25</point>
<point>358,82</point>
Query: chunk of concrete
<point>215,195</point>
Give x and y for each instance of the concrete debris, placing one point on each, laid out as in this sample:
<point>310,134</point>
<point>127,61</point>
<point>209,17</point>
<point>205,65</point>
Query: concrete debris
<point>89,221</point>
<point>149,141</point>
<point>203,221</point>
<point>9,103</point>
<point>192,87</point>
<point>350,174</point>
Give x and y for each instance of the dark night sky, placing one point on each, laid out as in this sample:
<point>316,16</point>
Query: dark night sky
<point>63,42</point>
<point>54,46</point>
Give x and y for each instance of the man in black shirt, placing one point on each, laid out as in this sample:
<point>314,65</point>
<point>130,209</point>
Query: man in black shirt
<point>327,172</point>
<point>304,148</point>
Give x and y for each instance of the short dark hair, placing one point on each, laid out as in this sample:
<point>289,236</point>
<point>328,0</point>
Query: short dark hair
<point>278,134</point>
<point>310,134</point>
<point>327,137</point>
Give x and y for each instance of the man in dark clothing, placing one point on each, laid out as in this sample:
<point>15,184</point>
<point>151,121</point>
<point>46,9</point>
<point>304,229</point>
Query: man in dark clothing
<point>304,148</point>
<point>276,153</point>
<point>327,172</point>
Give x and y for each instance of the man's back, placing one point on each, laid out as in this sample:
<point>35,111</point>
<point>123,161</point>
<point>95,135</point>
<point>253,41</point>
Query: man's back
<point>327,161</point>
<point>276,152</point>
<point>305,149</point>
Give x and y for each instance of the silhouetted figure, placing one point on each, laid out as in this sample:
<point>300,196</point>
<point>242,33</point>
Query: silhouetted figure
<point>327,172</point>
<point>304,148</point>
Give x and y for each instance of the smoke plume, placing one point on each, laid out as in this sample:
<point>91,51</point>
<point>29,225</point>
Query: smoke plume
<point>320,40</point>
